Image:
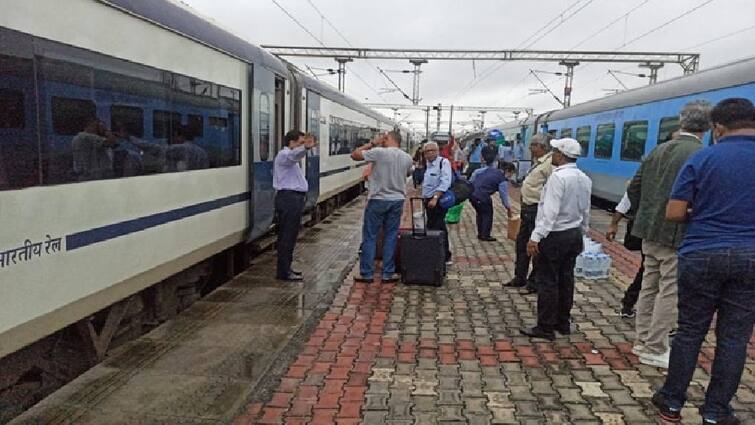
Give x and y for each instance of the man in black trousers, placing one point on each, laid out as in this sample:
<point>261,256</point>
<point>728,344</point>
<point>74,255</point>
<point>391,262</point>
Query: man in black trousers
<point>291,192</point>
<point>563,216</point>
<point>531,189</point>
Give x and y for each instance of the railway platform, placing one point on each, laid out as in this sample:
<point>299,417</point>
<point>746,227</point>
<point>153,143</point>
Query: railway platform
<point>332,351</point>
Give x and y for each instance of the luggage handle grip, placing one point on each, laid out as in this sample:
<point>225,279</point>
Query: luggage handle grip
<point>424,216</point>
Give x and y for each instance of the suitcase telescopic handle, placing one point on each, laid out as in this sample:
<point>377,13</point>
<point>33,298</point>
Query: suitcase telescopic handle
<point>424,216</point>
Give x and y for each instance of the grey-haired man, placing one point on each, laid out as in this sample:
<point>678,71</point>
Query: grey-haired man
<point>650,189</point>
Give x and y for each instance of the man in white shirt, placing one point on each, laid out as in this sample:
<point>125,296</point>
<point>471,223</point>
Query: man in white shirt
<point>563,216</point>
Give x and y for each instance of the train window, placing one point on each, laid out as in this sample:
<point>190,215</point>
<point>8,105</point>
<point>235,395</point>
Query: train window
<point>218,122</point>
<point>552,133</point>
<point>264,126</point>
<point>666,128</point>
<point>129,119</point>
<point>19,139</point>
<point>566,132</point>
<point>583,137</point>
<point>633,140</point>
<point>195,126</point>
<point>70,116</point>
<point>11,108</point>
<point>165,123</point>
<point>604,141</point>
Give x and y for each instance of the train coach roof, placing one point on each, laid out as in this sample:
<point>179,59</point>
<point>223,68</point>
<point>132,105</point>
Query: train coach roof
<point>182,20</point>
<point>331,93</point>
<point>728,75</point>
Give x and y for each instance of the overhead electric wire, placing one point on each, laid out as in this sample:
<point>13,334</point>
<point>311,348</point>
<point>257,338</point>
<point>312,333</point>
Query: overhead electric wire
<point>527,43</point>
<point>283,9</point>
<point>345,39</point>
<point>359,77</point>
<point>661,26</point>
<point>725,36</point>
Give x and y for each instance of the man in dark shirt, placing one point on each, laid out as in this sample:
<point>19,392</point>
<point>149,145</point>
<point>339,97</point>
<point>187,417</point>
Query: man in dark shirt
<point>716,262</point>
<point>486,181</point>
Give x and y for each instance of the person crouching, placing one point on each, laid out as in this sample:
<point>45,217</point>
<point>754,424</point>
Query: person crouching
<point>486,181</point>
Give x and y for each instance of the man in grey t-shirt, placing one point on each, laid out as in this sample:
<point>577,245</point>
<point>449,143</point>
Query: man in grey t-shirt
<point>385,201</point>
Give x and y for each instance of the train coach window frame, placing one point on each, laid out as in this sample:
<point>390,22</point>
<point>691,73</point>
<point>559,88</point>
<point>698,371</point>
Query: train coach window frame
<point>67,112</point>
<point>164,122</point>
<point>131,117</point>
<point>584,139</point>
<point>632,145</point>
<point>12,109</point>
<point>666,127</point>
<point>195,125</point>
<point>604,145</point>
<point>566,133</point>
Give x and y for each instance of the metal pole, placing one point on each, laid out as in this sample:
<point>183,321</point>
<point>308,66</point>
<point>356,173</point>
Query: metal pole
<point>569,80</point>
<point>451,121</point>
<point>416,72</point>
<point>427,123</point>
<point>437,128</point>
<point>654,67</point>
<point>342,73</point>
<point>482,119</point>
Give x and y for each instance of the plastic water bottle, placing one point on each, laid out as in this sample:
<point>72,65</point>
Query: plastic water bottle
<point>606,266</point>
<point>579,266</point>
<point>591,266</point>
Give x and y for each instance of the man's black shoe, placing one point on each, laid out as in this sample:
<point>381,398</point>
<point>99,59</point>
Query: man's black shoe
<point>729,420</point>
<point>395,277</point>
<point>564,330</point>
<point>291,277</point>
<point>536,332</point>
<point>487,238</point>
<point>664,411</point>
<point>363,279</point>
<point>513,283</point>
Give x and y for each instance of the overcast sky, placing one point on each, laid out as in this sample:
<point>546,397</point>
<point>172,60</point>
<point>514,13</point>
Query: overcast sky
<point>494,24</point>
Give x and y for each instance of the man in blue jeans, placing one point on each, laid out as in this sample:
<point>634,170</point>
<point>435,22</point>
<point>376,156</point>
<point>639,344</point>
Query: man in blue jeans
<point>716,263</point>
<point>385,202</point>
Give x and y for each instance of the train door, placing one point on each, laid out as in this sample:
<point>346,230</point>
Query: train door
<point>312,170</point>
<point>280,112</point>
<point>263,149</point>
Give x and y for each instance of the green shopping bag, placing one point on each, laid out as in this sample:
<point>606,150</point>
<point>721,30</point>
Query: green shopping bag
<point>454,214</point>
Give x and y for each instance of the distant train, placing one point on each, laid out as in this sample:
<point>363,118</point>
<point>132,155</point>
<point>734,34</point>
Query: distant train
<point>616,132</point>
<point>198,114</point>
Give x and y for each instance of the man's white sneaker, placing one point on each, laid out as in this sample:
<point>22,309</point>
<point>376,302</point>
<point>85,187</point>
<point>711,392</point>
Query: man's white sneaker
<point>638,349</point>
<point>657,360</point>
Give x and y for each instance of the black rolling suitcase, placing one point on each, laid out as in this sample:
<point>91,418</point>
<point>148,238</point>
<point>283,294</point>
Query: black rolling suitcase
<point>423,256</point>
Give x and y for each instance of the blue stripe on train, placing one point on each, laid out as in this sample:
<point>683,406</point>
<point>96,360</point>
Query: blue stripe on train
<point>112,231</point>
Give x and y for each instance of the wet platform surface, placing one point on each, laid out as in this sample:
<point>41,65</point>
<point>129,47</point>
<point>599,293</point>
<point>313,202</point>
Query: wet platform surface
<point>333,351</point>
<point>397,354</point>
<point>209,362</point>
